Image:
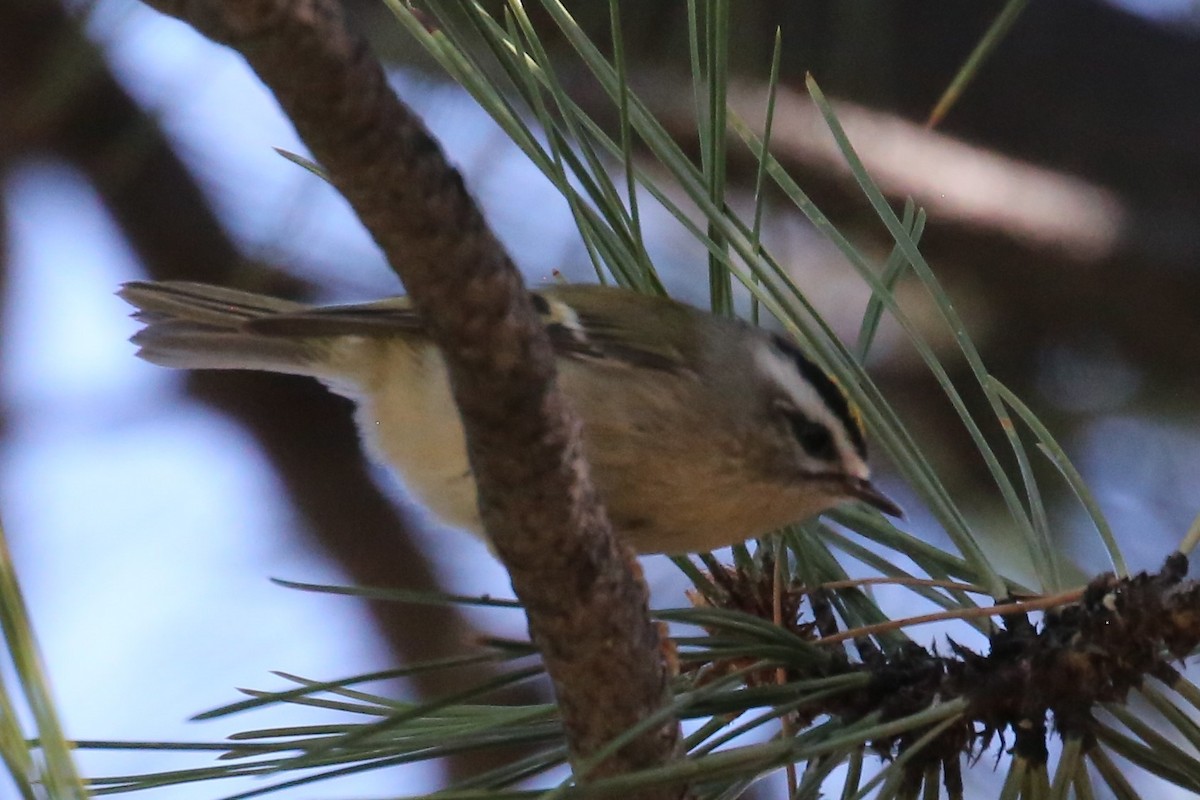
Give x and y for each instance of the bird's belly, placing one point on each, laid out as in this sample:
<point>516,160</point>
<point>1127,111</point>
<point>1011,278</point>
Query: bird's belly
<point>412,426</point>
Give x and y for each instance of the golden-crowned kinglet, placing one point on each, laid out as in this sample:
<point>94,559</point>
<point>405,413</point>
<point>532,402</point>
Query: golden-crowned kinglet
<point>701,431</point>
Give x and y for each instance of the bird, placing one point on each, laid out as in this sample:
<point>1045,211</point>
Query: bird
<point>701,431</point>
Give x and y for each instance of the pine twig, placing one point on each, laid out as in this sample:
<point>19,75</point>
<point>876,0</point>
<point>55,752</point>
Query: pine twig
<point>586,602</point>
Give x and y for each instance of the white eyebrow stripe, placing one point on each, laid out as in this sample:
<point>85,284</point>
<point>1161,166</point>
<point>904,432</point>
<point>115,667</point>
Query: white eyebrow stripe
<point>781,370</point>
<point>783,373</point>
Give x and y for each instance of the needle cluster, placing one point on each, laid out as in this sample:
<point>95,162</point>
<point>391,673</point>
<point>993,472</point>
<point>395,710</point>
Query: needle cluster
<point>1033,678</point>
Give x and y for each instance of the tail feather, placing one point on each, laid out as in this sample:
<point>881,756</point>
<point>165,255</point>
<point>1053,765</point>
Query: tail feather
<point>196,326</point>
<point>201,302</point>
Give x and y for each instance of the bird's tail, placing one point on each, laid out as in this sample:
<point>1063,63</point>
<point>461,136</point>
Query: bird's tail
<point>197,326</point>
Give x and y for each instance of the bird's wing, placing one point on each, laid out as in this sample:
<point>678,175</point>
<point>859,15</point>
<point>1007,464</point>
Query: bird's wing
<point>621,326</point>
<point>615,332</point>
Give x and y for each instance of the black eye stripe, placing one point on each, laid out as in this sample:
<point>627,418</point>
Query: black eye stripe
<point>814,437</point>
<point>829,392</point>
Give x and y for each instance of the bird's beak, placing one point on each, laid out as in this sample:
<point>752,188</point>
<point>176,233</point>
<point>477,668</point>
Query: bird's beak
<point>861,489</point>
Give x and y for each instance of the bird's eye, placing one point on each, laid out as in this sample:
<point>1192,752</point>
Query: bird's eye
<point>814,437</point>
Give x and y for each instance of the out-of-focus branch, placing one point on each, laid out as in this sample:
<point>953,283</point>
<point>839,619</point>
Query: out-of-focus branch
<point>957,183</point>
<point>58,97</point>
<point>1038,245</point>
<point>1052,94</point>
<point>585,600</point>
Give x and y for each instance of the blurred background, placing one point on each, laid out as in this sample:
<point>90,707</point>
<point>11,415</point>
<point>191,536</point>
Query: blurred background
<point>147,509</point>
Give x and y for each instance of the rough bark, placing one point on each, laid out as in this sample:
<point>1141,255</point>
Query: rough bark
<point>583,594</point>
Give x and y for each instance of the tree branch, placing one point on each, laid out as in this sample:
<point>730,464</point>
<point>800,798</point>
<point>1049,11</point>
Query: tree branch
<point>583,594</point>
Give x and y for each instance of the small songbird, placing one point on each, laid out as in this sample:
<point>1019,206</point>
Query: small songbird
<point>701,431</point>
